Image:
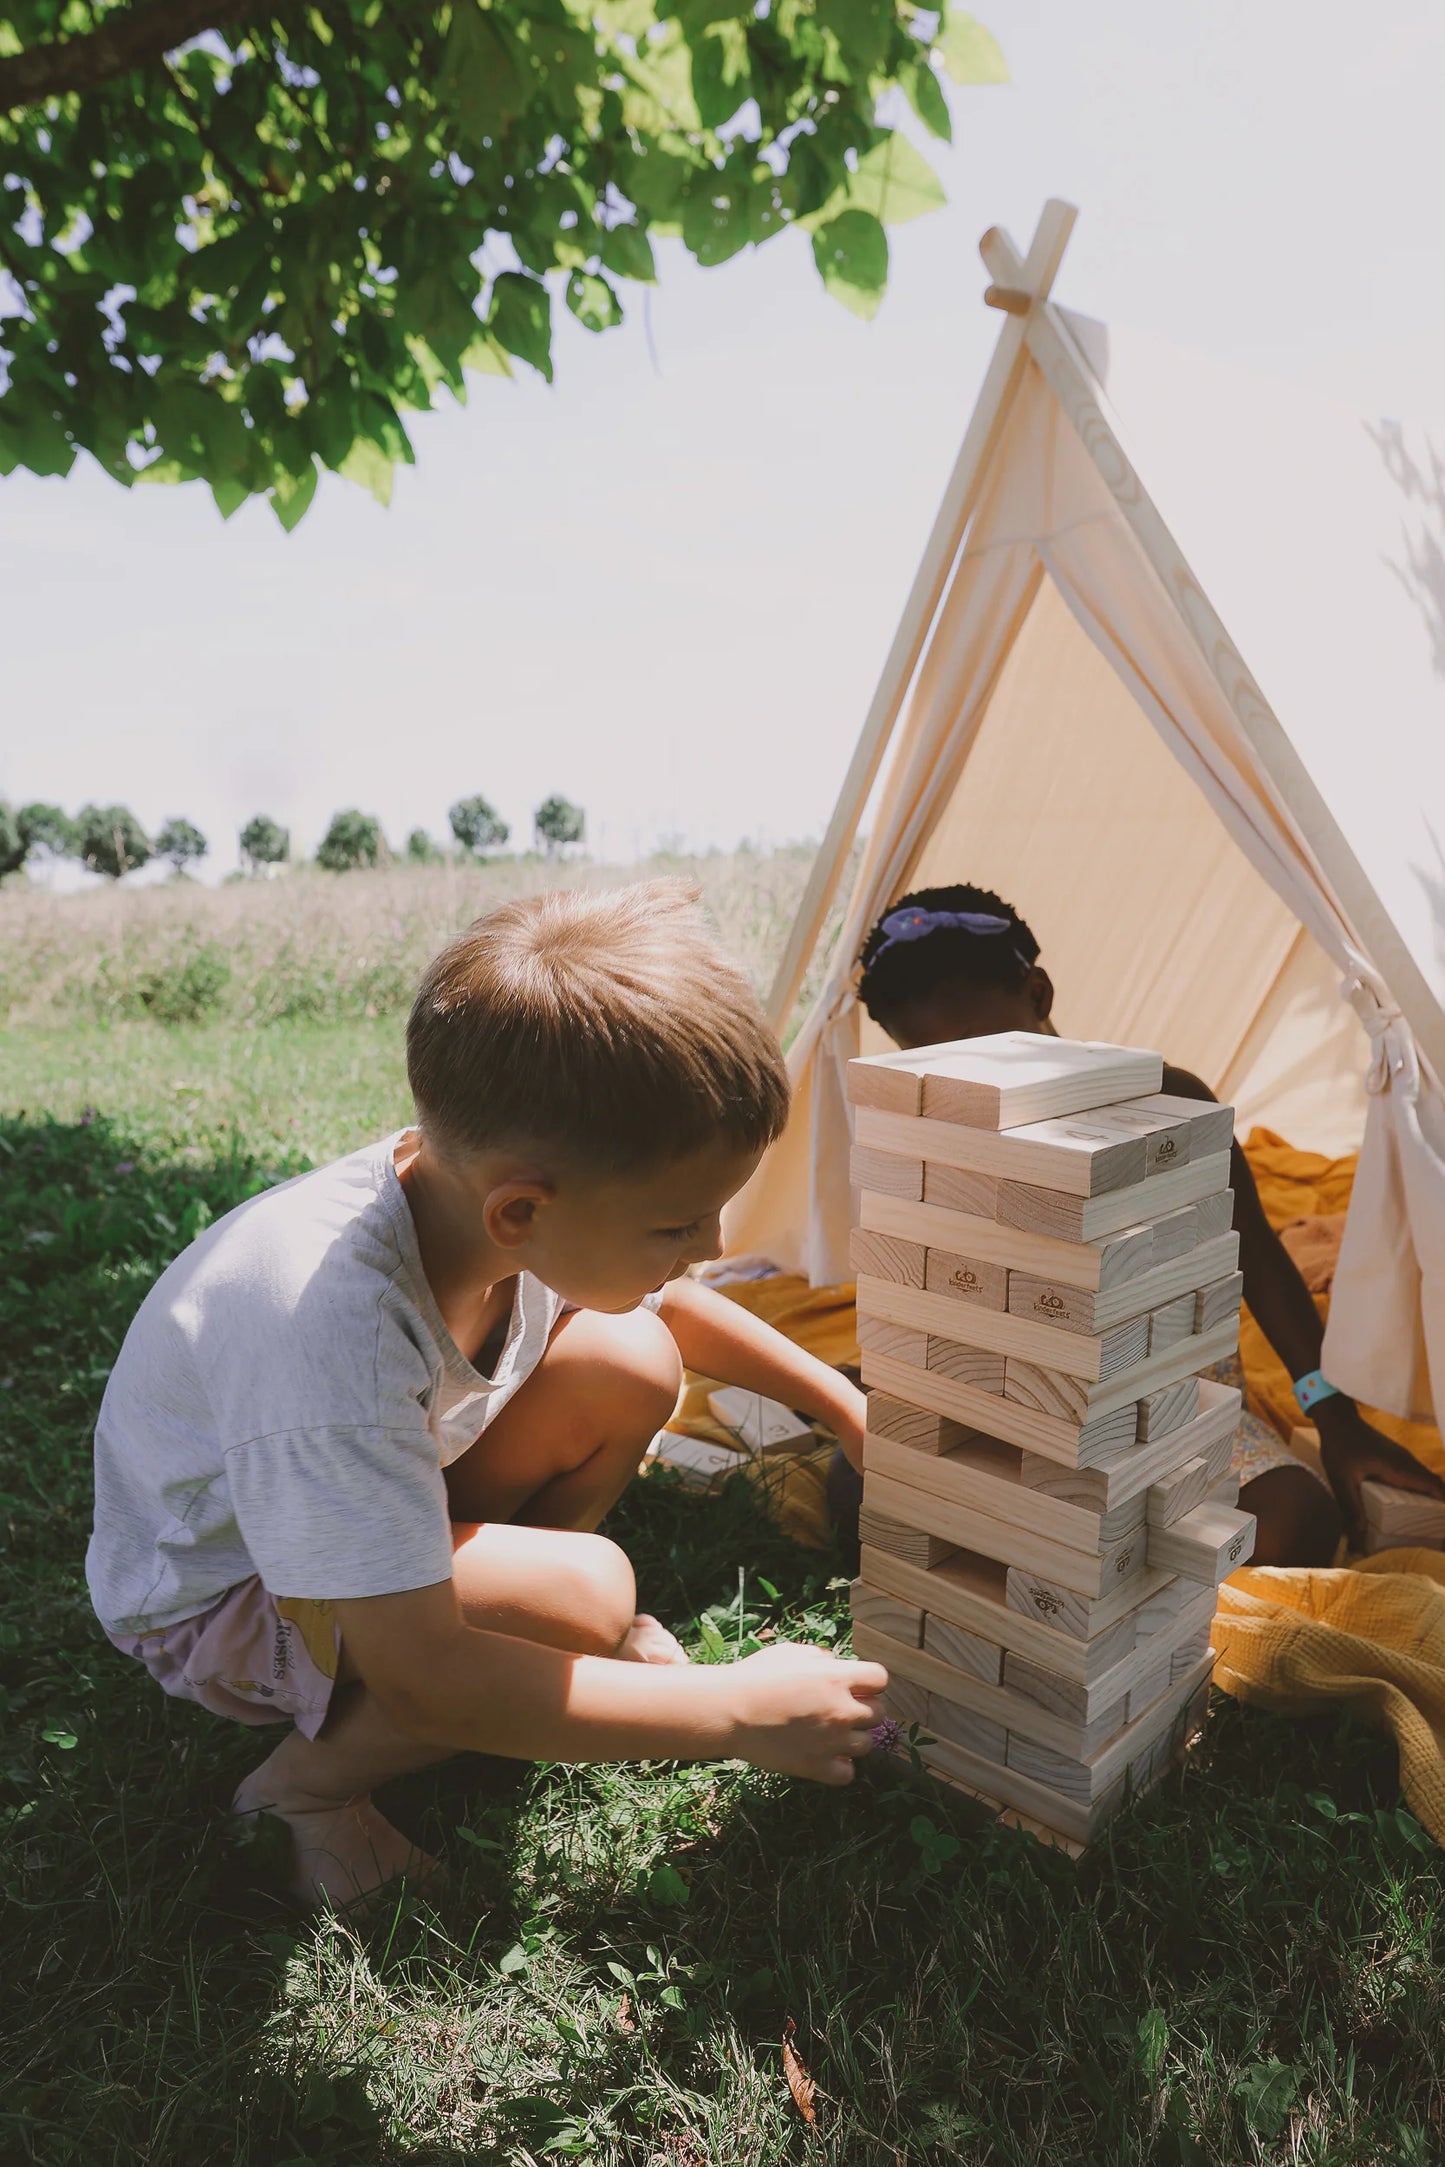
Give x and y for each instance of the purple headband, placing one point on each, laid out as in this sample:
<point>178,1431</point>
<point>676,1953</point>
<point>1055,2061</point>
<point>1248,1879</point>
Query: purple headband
<point>912,924</point>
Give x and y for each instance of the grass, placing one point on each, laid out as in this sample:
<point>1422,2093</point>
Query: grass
<point>315,946</point>
<point>1248,1968</point>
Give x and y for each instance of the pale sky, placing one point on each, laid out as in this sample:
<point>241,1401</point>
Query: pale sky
<point>665,586</point>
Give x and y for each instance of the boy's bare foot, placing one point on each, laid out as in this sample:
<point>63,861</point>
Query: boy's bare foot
<point>649,1642</point>
<point>340,1853</point>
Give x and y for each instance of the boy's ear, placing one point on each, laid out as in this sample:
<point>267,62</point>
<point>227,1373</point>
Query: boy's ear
<point>1039,989</point>
<point>509,1215</point>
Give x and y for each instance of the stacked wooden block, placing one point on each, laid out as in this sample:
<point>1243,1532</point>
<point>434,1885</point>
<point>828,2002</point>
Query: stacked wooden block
<point>1045,1264</point>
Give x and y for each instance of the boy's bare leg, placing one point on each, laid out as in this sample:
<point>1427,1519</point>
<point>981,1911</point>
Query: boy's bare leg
<point>523,1502</point>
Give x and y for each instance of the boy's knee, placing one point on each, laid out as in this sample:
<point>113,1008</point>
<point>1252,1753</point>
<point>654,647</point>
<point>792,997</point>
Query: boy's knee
<point>641,1369</point>
<point>603,1592</point>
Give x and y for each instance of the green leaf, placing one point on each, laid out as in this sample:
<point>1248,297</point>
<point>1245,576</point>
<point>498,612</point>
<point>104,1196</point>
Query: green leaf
<point>291,494</point>
<point>1267,2091</point>
<point>515,1960</point>
<point>230,494</point>
<point>54,1735</point>
<point>925,95</point>
<point>715,222</point>
<point>970,53</point>
<point>481,83</point>
<point>521,319</point>
<point>593,302</point>
<point>863,28</point>
<point>666,1886</point>
<point>721,72</point>
<point>368,466</point>
<point>1153,2041</point>
<point>895,182</point>
<point>851,253</point>
<point>485,356</point>
<point>627,251</point>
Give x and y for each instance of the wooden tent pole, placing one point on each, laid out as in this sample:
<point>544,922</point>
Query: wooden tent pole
<point>1037,273</point>
<point>1052,347</point>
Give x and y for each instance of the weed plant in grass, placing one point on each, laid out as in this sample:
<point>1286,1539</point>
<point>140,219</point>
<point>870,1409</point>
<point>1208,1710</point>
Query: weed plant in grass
<point>314,946</point>
<point>1248,1968</point>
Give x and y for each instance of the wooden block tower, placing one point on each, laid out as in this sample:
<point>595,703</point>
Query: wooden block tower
<point>1044,1264</point>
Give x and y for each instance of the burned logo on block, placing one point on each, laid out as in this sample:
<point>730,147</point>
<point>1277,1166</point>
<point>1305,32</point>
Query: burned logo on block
<point>1051,1303</point>
<point>1165,1149</point>
<point>1123,1561</point>
<point>1046,1602</point>
<point>964,1280</point>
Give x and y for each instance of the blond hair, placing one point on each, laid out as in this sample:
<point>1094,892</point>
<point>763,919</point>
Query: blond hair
<point>605,1029</point>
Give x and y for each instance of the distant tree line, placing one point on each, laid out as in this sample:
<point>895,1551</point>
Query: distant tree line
<point>109,839</point>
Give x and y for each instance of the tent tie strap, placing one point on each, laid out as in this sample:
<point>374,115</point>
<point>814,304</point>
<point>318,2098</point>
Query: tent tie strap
<point>1394,1061</point>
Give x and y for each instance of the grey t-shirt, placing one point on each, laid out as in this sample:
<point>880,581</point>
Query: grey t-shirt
<point>284,1404</point>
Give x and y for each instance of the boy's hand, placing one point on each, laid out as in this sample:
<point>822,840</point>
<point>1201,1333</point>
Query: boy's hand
<point>804,1712</point>
<point>1352,1453</point>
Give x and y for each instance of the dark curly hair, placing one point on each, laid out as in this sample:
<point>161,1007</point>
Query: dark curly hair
<point>898,972</point>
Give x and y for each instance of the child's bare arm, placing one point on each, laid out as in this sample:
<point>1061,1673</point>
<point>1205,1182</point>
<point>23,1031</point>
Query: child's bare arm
<point>719,1338</point>
<point>794,1709</point>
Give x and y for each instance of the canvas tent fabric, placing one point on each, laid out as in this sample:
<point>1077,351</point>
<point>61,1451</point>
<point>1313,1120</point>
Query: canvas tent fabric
<point>1180,699</point>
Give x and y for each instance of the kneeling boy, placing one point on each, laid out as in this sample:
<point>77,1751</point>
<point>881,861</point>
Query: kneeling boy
<point>353,1453</point>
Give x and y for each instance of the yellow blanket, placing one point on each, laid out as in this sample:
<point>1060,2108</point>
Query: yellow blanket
<point>1371,1639</point>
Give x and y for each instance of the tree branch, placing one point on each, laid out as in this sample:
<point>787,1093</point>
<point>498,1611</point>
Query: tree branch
<point>136,38</point>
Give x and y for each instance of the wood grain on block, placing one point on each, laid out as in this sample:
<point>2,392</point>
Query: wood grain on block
<point>877,1336</point>
<point>996,1704</point>
<point>1188,1486</point>
<point>915,1426</point>
<point>1209,1436</point>
<point>1089,1444</point>
<point>1156,1371</point>
<point>1013,1077</point>
<point>883,1256</point>
<point>1040,1208</point>
<point>1075,1264</point>
<point>1164,1605</point>
<point>963,1650</point>
<point>1090,1574</point>
<point>1166,1139</point>
<point>1076,1155</point>
<point>969,1591</point>
<point>955,1189</point>
<point>1009,1788</point>
<point>984,1476</point>
<point>1051,1391</point>
<point>1210,1126</point>
<point>1102,1355</point>
<point>911,1544</point>
<point>1214,1215</point>
<point>1125,1678</point>
<point>1071,1610</point>
<point>1171,1322</point>
<point>966,1279</point>
<point>1176,1233</point>
<point>1402,1518</point>
<point>964,1727</point>
<point>1136,1753</point>
<point>885,1174</point>
<point>1155,1677</point>
<point>1207,1544</point>
<point>1176,1276</point>
<point>968,1365</point>
<point>884,1082</point>
<point>1064,1698</point>
<point>1191,1649</point>
<point>906,1702</point>
<point>1168,1409</point>
<point>884,1612</point>
<point>765,1426</point>
<point>1048,1301</point>
<point>1218,1302</point>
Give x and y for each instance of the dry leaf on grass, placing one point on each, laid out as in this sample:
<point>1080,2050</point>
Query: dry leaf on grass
<point>800,2084</point>
<point>624,2015</point>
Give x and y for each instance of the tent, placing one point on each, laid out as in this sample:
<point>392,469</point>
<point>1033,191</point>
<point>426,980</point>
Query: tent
<point>1171,678</point>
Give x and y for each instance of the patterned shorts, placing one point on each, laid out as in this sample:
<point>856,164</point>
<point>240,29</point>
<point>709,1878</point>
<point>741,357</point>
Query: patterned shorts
<point>256,1657</point>
<point>1258,1446</point>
